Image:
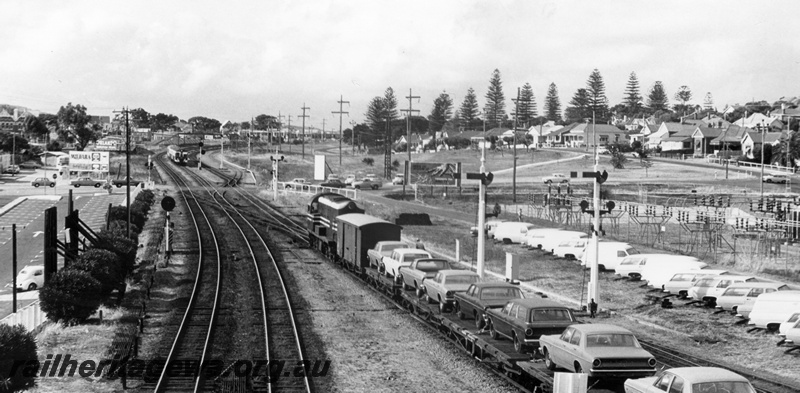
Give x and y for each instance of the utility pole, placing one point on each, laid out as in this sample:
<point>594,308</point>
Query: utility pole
<point>222,151</point>
<point>340,113</point>
<point>280,121</point>
<point>514,175</point>
<point>409,112</point>
<point>387,150</point>
<point>762,127</point>
<point>482,215</point>
<point>249,136</point>
<point>594,274</point>
<point>289,132</point>
<point>303,140</point>
<point>126,111</point>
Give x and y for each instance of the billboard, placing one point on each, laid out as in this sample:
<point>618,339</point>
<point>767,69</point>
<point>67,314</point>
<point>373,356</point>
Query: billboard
<point>445,174</point>
<point>88,161</point>
<point>319,167</point>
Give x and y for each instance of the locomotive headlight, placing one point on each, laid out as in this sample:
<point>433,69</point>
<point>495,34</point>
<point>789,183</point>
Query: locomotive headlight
<point>651,362</point>
<point>596,363</point>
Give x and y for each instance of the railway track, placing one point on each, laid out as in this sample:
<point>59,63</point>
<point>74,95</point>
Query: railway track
<point>281,340</point>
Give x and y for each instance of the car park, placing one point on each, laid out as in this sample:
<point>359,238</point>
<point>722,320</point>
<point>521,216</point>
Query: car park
<point>401,257</point>
<point>771,309</point>
<point>30,278</point>
<point>610,254</point>
<point>512,232</point>
<point>555,178</point>
<point>43,181</point>
<point>87,181</point>
<point>781,178</point>
<point>446,283</point>
<point>367,183</point>
<point>398,179</point>
<point>632,266</point>
<point>691,380</point>
<point>737,294</point>
<point>599,350</point>
<point>334,183</point>
<point>412,276</point>
<point>571,248</point>
<point>490,227</point>
<point>483,296</point>
<point>707,289</point>
<point>524,321</point>
<point>679,282</point>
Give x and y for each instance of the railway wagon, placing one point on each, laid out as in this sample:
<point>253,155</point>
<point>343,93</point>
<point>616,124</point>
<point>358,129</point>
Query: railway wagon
<point>358,233</point>
<point>177,154</point>
<point>321,219</point>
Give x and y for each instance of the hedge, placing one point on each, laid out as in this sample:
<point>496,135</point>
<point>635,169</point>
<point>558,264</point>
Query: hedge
<point>105,266</point>
<point>16,344</point>
<point>71,296</point>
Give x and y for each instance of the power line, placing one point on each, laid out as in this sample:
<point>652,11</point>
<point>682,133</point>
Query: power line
<point>340,113</point>
<point>409,112</point>
<point>304,116</point>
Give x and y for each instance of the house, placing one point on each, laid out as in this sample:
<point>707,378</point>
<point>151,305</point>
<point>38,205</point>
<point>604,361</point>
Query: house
<point>540,132</point>
<point>752,139</point>
<point>583,134</point>
<point>665,130</point>
<point>730,140</point>
<point>556,137</point>
<point>757,119</point>
<point>645,132</point>
<point>680,140</point>
<point>702,137</point>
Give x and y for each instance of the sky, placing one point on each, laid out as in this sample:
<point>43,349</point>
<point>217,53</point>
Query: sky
<point>235,60</point>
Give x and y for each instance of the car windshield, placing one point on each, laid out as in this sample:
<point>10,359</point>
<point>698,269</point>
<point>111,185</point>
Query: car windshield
<point>704,283</point>
<point>682,277</point>
<point>550,314</point>
<point>611,340</point>
<point>736,292</point>
<point>432,266</point>
<point>728,387</point>
<point>391,247</point>
<point>461,279</point>
<point>23,271</point>
<point>632,251</point>
<point>411,257</point>
<point>501,293</point>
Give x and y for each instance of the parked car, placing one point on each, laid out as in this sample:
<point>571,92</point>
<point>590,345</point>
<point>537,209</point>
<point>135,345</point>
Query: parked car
<point>611,254</point>
<point>119,183</point>
<point>737,294</point>
<point>553,239</point>
<point>490,227</point>
<point>792,334</point>
<point>398,179</point>
<point>86,181</point>
<point>30,278</point>
<point>367,183</point>
<point>707,289</point>
<point>512,231</point>
<point>371,177</point>
<point>535,237</point>
<point>298,183</point>
<point>632,266</point>
<point>12,169</point>
<point>446,283</point>
<point>776,178</point>
<point>334,183</point>
<point>524,321</point>
<point>349,179</point>
<point>680,282</point>
<point>744,310</point>
<point>600,350</point>
<point>792,322</point>
<point>482,296</point>
<point>602,150</point>
<point>333,176</point>
<point>401,257</point>
<point>412,276</point>
<point>43,181</point>
<point>691,380</point>
<point>382,249</point>
<point>771,309</point>
<point>571,248</point>
<point>555,178</point>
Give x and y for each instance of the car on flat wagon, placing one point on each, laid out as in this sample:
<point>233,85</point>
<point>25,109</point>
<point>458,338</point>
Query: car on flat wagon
<point>707,289</point>
<point>401,257</point>
<point>691,380</point>
<point>524,321</point>
<point>483,296</point>
<point>446,283</point>
<point>632,267</point>
<point>611,254</point>
<point>678,281</point>
<point>599,350</point>
<point>411,276</point>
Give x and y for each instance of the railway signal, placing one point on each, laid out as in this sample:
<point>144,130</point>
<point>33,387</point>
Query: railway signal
<point>275,162</point>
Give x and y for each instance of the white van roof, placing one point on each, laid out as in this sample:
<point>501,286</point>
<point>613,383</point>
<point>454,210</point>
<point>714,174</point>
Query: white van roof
<point>779,296</point>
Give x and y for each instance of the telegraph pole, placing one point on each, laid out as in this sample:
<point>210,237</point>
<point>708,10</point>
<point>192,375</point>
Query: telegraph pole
<point>289,132</point>
<point>594,274</point>
<point>249,136</point>
<point>303,116</point>
<point>280,121</point>
<point>514,175</point>
<point>409,112</point>
<point>340,113</point>
<point>126,111</point>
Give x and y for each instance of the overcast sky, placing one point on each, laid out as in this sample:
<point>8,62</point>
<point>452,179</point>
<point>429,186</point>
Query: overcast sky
<point>234,60</point>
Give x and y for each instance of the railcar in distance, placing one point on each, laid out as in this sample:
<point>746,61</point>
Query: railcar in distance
<point>177,154</point>
<point>321,219</point>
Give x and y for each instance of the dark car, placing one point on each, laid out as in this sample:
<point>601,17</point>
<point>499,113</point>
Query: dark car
<point>334,183</point>
<point>523,321</point>
<point>87,181</point>
<point>124,182</point>
<point>43,181</point>
<point>482,296</point>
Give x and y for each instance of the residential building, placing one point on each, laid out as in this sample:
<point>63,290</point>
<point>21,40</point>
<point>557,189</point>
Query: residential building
<point>702,137</point>
<point>729,142</point>
<point>757,119</point>
<point>753,139</point>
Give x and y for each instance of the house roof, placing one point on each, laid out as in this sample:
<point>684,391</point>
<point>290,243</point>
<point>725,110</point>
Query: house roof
<point>678,138</point>
<point>732,134</point>
<point>770,137</point>
<point>497,131</point>
<point>563,130</point>
<point>603,129</point>
<point>707,132</point>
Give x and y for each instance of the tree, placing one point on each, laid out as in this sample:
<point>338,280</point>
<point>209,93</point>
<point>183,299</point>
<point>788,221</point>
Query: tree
<point>468,112</point>
<point>495,109</point>
<point>375,112</point>
<point>389,105</point>
<point>441,112</point>
<point>204,124</point>
<point>105,266</point>
<point>596,93</point>
<point>74,125</point>
<point>10,143</point>
<point>71,296</point>
<point>16,345</point>
<point>657,99</point>
<point>683,95</point>
<point>632,100</point>
<point>163,122</point>
<point>139,117</point>
<point>552,105</point>
<point>618,158</point>
<point>34,126</point>
<point>580,109</point>
<point>245,125</point>
<point>265,122</point>
<point>525,107</point>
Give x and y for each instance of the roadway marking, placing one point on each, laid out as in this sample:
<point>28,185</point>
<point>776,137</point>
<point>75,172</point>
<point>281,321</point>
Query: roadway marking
<point>37,233</point>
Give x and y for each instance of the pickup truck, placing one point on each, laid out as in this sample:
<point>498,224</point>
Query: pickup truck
<point>384,249</point>
<point>401,257</point>
<point>411,276</point>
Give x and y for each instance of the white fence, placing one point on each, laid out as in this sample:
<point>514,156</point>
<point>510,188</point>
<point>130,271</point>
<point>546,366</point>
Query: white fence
<point>311,189</point>
<point>30,316</point>
<point>754,165</point>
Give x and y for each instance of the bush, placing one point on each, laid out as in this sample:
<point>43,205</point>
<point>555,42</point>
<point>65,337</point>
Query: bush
<point>71,296</point>
<point>120,226</point>
<point>146,196</point>
<point>121,213</point>
<point>105,266</point>
<point>16,344</point>
<point>368,160</point>
<point>117,243</point>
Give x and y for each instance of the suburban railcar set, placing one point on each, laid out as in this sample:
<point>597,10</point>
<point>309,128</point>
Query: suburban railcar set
<point>177,154</point>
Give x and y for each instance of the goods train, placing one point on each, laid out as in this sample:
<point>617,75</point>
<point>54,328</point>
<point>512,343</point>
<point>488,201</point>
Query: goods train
<point>322,223</point>
<point>177,154</point>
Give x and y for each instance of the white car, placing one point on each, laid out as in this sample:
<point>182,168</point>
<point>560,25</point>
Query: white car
<point>556,178</point>
<point>512,231</point>
<point>30,278</point>
<point>398,179</point>
<point>401,257</point>
<point>349,179</point>
<point>691,380</point>
<point>571,248</point>
<point>298,183</point>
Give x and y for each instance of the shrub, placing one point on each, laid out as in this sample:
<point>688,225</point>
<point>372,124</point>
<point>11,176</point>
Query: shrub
<point>121,213</point>
<point>368,160</point>
<point>120,226</point>
<point>146,196</point>
<point>117,243</point>
<point>104,265</point>
<point>16,344</point>
<point>71,296</point>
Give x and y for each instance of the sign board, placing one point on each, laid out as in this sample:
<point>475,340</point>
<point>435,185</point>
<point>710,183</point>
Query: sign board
<point>88,161</point>
<point>319,167</point>
<point>446,174</point>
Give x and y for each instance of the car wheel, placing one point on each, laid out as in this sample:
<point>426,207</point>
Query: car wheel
<point>769,180</point>
<point>442,306</point>
<point>420,292</point>
<point>479,323</point>
<point>578,368</point>
<point>357,187</point>
<point>52,185</point>
<point>517,345</point>
<point>374,187</point>
<point>493,333</point>
<point>428,299</point>
<point>548,182</point>
<point>36,185</point>
<point>77,185</point>
<point>32,286</point>
<point>460,313</point>
<point>548,361</point>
